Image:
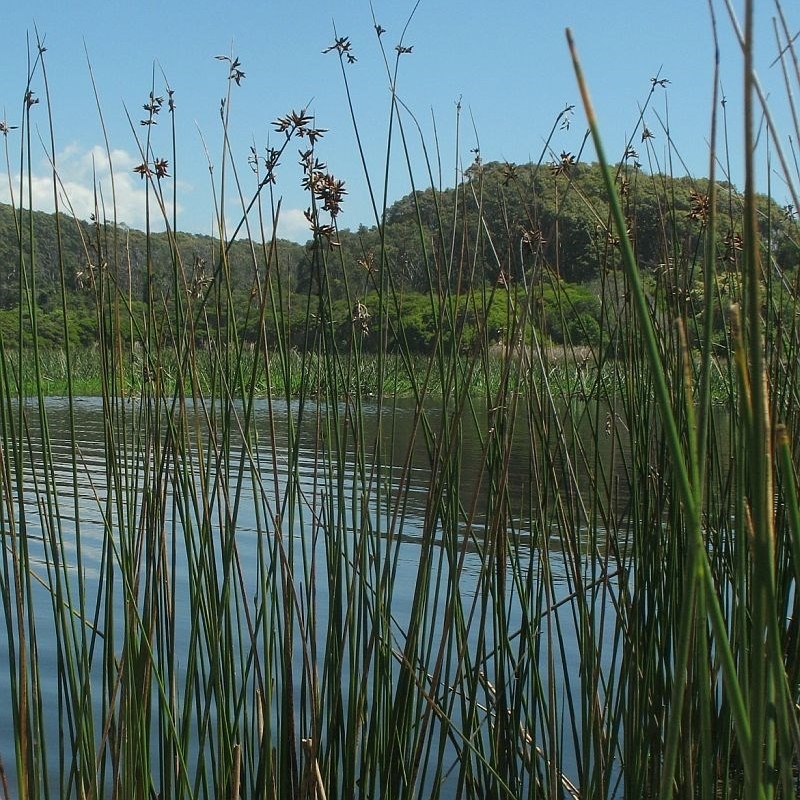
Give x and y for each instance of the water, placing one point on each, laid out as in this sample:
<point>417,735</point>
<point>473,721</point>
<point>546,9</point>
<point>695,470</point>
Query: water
<point>281,483</point>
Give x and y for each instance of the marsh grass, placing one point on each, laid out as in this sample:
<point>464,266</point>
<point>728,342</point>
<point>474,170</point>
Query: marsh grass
<point>83,375</point>
<point>599,601</point>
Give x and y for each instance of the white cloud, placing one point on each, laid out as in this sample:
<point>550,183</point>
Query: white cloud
<point>293,225</point>
<point>84,186</point>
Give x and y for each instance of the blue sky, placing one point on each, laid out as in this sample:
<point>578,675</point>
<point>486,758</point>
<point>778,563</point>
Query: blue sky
<point>507,63</point>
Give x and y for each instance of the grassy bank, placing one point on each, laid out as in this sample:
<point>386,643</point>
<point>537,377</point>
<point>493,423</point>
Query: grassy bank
<point>568,373</point>
<point>266,589</point>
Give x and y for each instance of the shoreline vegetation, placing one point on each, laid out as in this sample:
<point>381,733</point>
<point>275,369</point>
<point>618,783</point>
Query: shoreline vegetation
<point>568,373</point>
<point>624,625</point>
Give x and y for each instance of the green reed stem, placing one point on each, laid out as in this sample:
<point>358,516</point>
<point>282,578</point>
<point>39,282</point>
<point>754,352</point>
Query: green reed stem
<point>687,473</point>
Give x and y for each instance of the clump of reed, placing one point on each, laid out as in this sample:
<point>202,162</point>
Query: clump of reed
<point>596,596</point>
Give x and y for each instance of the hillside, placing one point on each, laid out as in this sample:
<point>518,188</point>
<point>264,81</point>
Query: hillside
<point>508,221</point>
<point>504,223</point>
<point>125,251</point>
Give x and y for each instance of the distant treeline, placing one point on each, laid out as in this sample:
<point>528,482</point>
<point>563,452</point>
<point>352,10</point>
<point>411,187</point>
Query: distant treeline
<point>539,235</point>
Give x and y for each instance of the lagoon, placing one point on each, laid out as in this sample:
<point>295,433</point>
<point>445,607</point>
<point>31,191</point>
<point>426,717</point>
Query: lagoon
<point>309,559</point>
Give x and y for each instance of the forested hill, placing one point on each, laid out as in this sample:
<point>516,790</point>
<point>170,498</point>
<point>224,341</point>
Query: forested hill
<point>122,251</point>
<point>505,219</point>
<point>501,222</point>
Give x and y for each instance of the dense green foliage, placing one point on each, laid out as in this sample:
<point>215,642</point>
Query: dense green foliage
<point>540,228</point>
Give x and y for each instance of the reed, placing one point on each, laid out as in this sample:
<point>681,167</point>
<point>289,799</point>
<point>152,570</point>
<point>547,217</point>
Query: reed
<point>330,569</point>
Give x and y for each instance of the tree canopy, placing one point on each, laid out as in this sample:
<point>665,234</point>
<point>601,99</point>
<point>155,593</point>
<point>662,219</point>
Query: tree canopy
<point>503,224</point>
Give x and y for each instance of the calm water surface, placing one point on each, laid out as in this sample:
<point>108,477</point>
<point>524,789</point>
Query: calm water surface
<point>408,467</point>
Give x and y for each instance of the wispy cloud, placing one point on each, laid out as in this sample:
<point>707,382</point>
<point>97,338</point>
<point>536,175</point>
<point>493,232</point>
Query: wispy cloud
<point>293,225</point>
<point>84,186</point>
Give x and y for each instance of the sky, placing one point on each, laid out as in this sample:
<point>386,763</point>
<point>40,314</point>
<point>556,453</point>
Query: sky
<point>487,77</point>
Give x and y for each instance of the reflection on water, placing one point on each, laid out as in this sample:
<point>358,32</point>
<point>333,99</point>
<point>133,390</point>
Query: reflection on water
<point>409,455</point>
<point>82,486</point>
